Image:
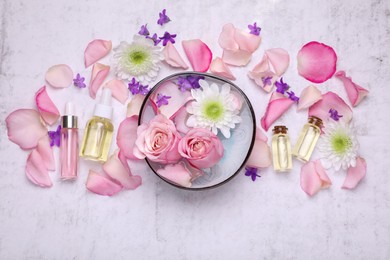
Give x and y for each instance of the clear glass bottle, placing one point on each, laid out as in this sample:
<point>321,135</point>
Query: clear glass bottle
<point>308,139</point>
<point>281,149</point>
<point>98,131</point>
<point>69,144</point>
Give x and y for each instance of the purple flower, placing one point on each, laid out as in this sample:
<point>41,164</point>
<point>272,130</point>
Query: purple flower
<point>194,80</point>
<point>55,137</point>
<point>134,86</point>
<point>281,87</point>
<point>168,37</point>
<point>144,30</point>
<point>79,81</point>
<point>334,114</point>
<point>291,95</point>
<point>155,39</point>
<point>251,171</point>
<point>183,84</point>
<point>267,80</point>
<point>254,29</point>
<point>162,100</point>
<point>143,90</point>
<point>163,18</point>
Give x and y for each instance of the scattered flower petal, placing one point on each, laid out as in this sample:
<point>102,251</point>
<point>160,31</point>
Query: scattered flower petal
<point>162,100</point>
<point>144,30</point>
<point>355,92</point>
<point>99,74</point>
<point>96,50</point>
<point>46,152</point>
<point>25,128</point>
<point>36,170</point>
<point>177,174</point>
<point>172,57</point>
<point>163,18</point>
<point>133,86</point>
<point>198,53</point>
<point>194,80</point>
<point>79,81</point>
<point>236,58</point>
<point>155,39</point>
<point>59,76</point>
<point>281,87</point>
<point>314,177</point>
<point>218,67</point>
<point>262,75</point>
<point>316,62</point>
<point>355,174</point>
<point>309,96</point>
<point>279,59</point>
<point>260,156</point>
<point>226,38</point>
<point>252,172</point>
<point>126,136</point>
<point>134,106</point>
<point>46,107</point>
<point>334,114</point>
<point>246,41</point>
<point>254,29</point>
<point>55,137</point>
<point>101,185</point>
<point>180,119</point>
<point>277,105</point>
<point>291,95</point>
<point>118,90</point>
<point>167,37</point>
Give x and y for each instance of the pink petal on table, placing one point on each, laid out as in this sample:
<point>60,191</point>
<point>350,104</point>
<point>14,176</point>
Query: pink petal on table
<point>355,92</point>
<point>355,174</point>
<point>262,71</point>
<point>260,156</point>
<point>177,174</point>
<point>118,89</point>
<point>101,185</point>
<point>325,181</point>
<point>277,105</point>
<point>314,177</point>
<point>330,100</point>
<point>226,39</point>
<point>172,57</point>
<point>46,152</point>
<point>218,67</point>
<point>126,136</point>
<point>99,74</point>
<point>308,97</point>
<point>178,99</point>
<point>247,41</point>
<point>46,107</point>
<point>260,135</point>
<point>36,170</point>
<point>180,119</point>
<point>120,172</point>
<point>236,58</point>
<point>263,65</point>
<point>237,100</point>
<point>316,62</point>
<point>59,76</point>
<point>134,106</point>
<point>198,53</point>
<point>96,50</point>
<point>279,59</point>
<point>25,128</point>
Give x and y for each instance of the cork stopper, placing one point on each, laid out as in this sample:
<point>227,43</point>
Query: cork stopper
<point>280,129</point>
<point>315,121</point>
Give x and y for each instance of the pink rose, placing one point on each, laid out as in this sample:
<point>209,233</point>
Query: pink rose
<point>158,141</point>
<point>201,148</point>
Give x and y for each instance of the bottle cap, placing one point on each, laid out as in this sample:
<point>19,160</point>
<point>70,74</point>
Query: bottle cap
<point>280,129</point>
<point>69,120</point>
<point>104,109</point>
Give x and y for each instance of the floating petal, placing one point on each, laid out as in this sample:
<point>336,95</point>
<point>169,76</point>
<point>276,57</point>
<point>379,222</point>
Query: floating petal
<point>308,97</point>
<point>313,178</point>
<point>59,76</point>
<point>198,53</point>
<point>279,59</point>
<point>172,57</point>
<point>355,174</point>
<point>218,67</point>
<point>96,50</point>
<point>355,92</point>
<point>127,134</point>
<point>36,170</point>
<point>46,107</point>
<point>236,58</point>
<point>101,185</point>
<point>99,74</point>
<point>277,105</point>
<point>177,174</point>
<point>118,89</point>
<point>180,119</point>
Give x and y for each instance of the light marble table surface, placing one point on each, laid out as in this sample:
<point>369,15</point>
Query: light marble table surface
<point>271,218</point>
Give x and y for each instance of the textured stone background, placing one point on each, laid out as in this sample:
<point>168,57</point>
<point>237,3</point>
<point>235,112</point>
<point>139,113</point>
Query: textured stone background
<point>271,218</point>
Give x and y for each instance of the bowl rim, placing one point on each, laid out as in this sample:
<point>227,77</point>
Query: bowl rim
<point>217,78</point>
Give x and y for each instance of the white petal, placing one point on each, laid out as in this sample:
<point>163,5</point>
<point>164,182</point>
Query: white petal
<point>191,121</point>
<point>225,131</point>
<point>225,89</point>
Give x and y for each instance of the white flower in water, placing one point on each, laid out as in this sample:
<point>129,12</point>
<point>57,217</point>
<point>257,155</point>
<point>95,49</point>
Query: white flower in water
<point>214,109</point>
<point>339,146</point>
<point>140,59</point>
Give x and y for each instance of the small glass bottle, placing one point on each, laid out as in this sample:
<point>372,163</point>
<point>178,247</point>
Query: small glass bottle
<point>98,131</point>
<point>69,144</point>
<point>281,149</point>
<point>308,139</point>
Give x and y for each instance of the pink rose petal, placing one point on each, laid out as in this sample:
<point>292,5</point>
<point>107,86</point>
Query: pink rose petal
<point>46,107</point>
<point>96,50</point>
<point>325,181</point>
<point>180,119</point>
<point>218,67</point>
<point>46,152</point>
<point>355,174</point>
<point>101,185</point>
<point>116,169</point>
<point>134,106</point>
<point>330,100</point>
<point>126,136</point>
<point>99,74</point>
<point>36,170</point>
<point>118,89</point>
<point>355,92</point>
<point>177,174</point>
<point>226,39</point>
<point>172,57</point>
<point>262,71</point>
<point>236,58</point>
<point>260,156</point>
<point>59,76</point>
<point>313,178</point>
<point>277,105</point>
<point>308,97</point>
<point>246,41</point>
<point>25,128</point>
<point>279,59</point>
<point>260,135</point>
<point>198,53</point>
<point>316,62</point>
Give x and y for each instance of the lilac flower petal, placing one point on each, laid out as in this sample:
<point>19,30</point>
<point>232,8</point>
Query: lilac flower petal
<point>334,114</point>
<point>168,38</point>
<point>55,137</point>
<point>134,86</point>
<point>183,84</point>
<point>163,18</point>
<point>254,29</point>
<point>267,80</point>
<point>143,90</point>
<point>281,87</point>
<point>155,39</point>
<point>79,81</point>
<point>162,100</point>
<point>194,80</point>
<point>291,95</point>
<point>144,30</point>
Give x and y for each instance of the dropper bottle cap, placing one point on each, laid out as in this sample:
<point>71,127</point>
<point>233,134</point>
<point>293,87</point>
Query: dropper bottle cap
<point>104,109</point>
<point>69,120</point>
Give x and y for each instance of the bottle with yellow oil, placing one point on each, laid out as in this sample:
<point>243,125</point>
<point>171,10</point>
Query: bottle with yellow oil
<point>281,149</point>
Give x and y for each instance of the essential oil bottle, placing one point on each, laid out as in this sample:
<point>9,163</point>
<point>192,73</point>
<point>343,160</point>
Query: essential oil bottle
<point>281,149</point>
<point>98,131</point>
<point>308,139</point>
<point>69,144</point>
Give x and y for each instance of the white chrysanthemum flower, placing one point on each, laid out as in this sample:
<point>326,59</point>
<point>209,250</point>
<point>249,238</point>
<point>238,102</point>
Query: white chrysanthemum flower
<point>140,59</point>
<point>339,146</point>
<point>214,109</point>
